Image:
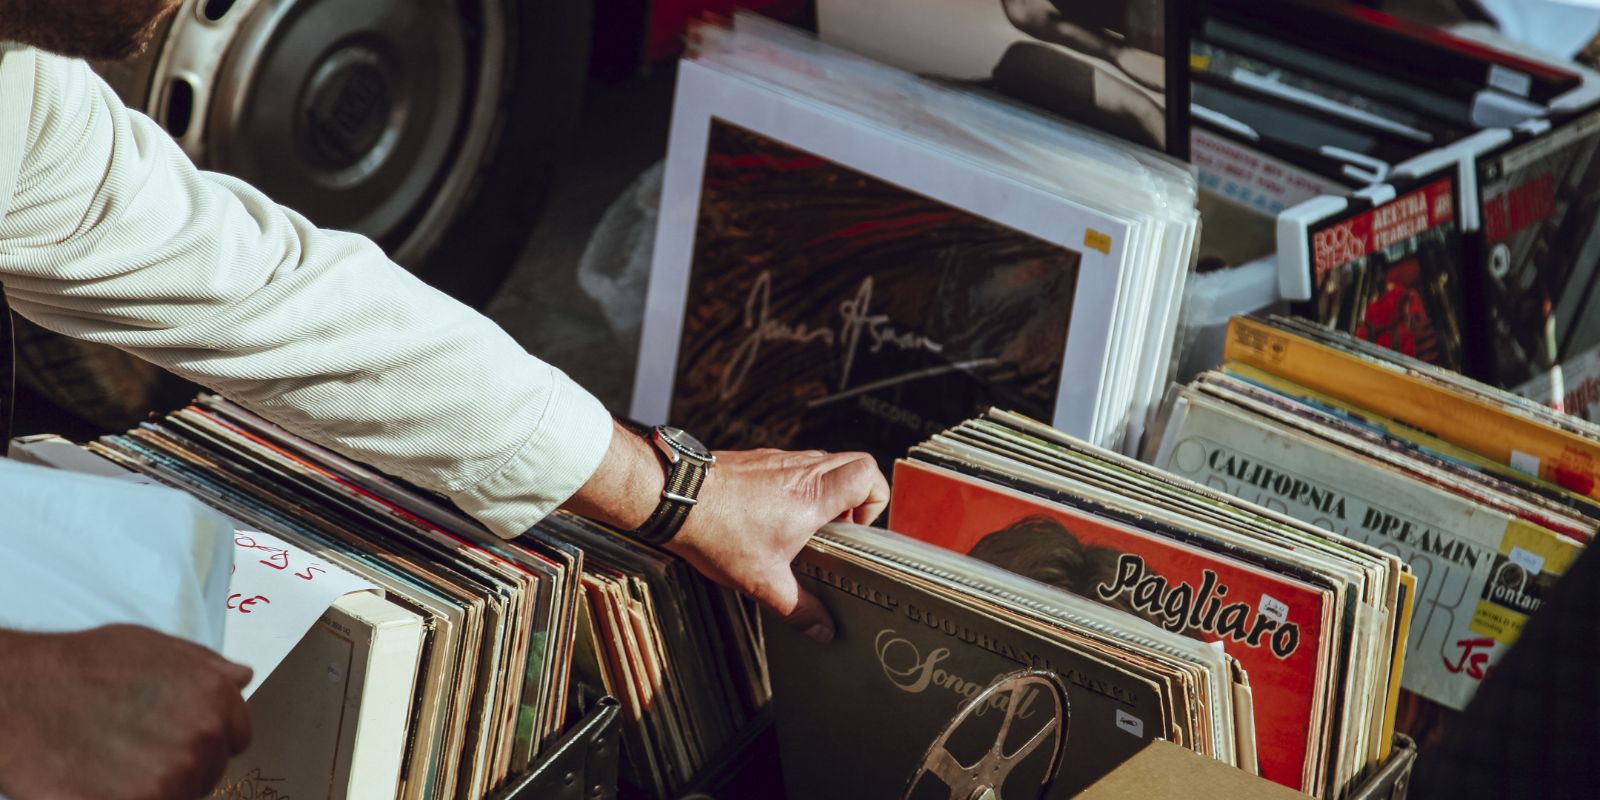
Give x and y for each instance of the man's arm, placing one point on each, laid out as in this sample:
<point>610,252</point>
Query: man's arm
<point>113,236</point>
<point>756,510</point>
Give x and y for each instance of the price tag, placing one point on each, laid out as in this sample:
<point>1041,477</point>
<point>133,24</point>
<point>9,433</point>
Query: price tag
<point>1274,609</point>
<point>1528,560</point>
<point>1525,462</point>
<point>1509,80</point>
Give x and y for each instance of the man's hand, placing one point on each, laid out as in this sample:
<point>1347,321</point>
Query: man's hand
<point>116,713</point>
<point>755,511</point>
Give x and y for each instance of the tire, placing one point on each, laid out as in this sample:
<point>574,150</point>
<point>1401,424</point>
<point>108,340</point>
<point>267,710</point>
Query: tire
<point>464,244</point>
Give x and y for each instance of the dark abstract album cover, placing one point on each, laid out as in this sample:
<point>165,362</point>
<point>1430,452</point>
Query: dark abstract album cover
<point>1540,260</point>
<point>831,310</point>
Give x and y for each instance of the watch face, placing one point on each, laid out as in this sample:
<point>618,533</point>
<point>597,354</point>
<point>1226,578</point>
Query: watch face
<point>685,443</point>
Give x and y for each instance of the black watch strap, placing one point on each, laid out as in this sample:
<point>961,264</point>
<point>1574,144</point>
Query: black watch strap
<point>678,497</point>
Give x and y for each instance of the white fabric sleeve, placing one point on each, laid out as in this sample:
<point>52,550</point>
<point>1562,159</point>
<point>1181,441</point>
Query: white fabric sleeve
<point>113,236</point>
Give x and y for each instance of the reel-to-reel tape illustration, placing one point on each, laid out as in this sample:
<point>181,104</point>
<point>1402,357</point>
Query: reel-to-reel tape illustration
<point>1036,711</point>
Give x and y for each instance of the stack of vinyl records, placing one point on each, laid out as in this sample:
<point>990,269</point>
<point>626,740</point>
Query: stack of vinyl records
<point>1315,620</point>
<point>514,637</point>
<point>1433,191</point>
<point>1489,497</point>
<point>850,257</point>
<point>948,677</point>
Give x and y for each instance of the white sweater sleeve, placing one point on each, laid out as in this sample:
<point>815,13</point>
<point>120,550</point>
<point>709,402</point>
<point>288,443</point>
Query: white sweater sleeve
<point>111,235</point>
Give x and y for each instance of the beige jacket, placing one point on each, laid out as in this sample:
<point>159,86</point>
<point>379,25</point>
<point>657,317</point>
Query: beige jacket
<point>109,234</point>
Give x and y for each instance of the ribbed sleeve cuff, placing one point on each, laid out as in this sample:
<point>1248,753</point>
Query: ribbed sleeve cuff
<point>566,448</point>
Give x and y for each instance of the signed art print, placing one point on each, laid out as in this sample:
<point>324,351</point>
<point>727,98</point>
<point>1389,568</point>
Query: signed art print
<point>802,298</point>
<point>829,309</point>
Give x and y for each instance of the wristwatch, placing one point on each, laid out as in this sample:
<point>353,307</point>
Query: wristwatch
<point>687,463</point>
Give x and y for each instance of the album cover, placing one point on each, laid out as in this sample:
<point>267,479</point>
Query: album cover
<point>820,282</point>
<point>1272,623</point>
<point>1480,573</point>
<point>1308,133</point>
<point>905,661</point>
<point>1493,424</point>
<point>1116,65</point>
<point>1238,69</point>
<point>1538,262</point>
<point>1390,274</point>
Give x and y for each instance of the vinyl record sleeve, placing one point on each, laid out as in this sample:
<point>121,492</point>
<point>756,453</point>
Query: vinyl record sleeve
<point>1390,273</point>
<point>1514,431</point>
<point>855,717</point>
<point>1283,404</point>
<point>1238,69</point>
<point>1469,608</point>
<point>1538,257</point>
<point>1309,130</point>
<point>1248,176</point>
<point>822,282</point>
<point>1427,56</point>
<point>1271,623</point>
<point>1117,65</point>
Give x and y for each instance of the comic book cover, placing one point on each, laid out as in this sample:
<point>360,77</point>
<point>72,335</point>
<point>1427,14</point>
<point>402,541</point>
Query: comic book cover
<point>1271,623</point>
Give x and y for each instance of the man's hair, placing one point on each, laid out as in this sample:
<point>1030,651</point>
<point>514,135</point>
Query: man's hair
<point>106,30</point>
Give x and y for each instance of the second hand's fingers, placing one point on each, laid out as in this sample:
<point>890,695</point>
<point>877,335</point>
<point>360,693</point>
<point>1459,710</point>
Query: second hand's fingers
<point>239,674</point>
<point>240,730</point>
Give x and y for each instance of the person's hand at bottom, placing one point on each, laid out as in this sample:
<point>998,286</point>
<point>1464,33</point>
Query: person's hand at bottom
<point>756,511</point>
<point>116,713</point>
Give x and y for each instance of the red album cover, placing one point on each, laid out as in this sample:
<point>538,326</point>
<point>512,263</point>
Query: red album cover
<point>1389,275</point>
<point>1270,623</point>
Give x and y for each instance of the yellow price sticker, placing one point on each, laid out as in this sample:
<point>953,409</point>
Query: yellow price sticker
<point>1095,240</point>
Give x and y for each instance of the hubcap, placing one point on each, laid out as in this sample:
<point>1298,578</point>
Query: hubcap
<point>346,111</point>
<point>364,115</point>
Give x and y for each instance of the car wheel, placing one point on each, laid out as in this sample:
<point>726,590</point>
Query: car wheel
<point>432,128</point>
